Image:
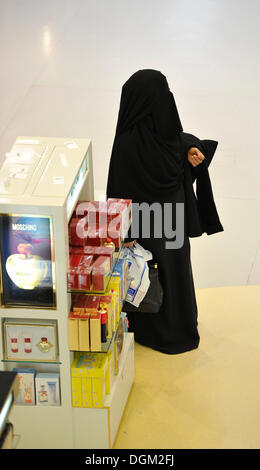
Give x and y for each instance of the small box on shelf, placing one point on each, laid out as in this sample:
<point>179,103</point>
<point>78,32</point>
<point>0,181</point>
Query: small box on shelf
<point>26,394</point>
<point>89,380</point>
<point>35,340</point>
<point>86,330</point>
<point>73,330</point>
<point>38,388</point>
<point>47,389</point>
<point>114,286</point>
<point>96,230</point>
<point>95,331</point>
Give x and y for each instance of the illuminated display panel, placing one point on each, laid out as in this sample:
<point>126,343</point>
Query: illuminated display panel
<point>77,186</point>
<point>27,261</point>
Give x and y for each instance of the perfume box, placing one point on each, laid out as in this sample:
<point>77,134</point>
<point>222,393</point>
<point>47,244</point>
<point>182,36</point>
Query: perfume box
<point>84,333</point>
<point>26,340</point>
<point>73,330</point>
<point>95,332</point>
<point>47,389</point>
<point>89,380</point>
<point>26,394</point>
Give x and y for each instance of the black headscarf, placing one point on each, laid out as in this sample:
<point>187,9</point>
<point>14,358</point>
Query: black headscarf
<point>145,148</point>
<point>149,155</point>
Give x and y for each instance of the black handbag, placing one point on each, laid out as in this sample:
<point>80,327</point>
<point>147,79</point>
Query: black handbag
<point>153,299</point>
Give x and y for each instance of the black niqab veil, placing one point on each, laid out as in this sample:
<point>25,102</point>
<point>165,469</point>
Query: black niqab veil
<point>148,123</point>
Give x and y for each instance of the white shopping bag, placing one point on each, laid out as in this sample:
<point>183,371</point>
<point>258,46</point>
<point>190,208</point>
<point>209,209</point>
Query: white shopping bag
<point>138,273</point>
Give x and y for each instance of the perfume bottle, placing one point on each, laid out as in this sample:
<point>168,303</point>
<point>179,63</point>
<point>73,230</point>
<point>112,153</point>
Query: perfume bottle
<point>110,243</point>
<point>14,343</point>
<point>27,344</point>
<point>44,345</point>
<point>43,394</point>
<point>27,394</point>
<point>103,314</point>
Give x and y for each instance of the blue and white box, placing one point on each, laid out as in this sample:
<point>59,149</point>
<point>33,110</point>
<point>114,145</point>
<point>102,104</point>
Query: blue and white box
<point>47,389</point>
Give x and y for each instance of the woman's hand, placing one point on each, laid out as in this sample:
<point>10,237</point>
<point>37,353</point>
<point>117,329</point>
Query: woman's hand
<point>195,156</point>
<point>130,244</point>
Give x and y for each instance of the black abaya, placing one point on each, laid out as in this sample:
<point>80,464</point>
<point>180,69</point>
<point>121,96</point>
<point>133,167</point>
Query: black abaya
<point>149,164</point>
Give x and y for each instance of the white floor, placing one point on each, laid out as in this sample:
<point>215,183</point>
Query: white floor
<point>207,398</point>
<point>63,63</point>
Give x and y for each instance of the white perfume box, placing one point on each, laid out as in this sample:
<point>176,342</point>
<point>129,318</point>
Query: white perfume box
<point>47,389</point>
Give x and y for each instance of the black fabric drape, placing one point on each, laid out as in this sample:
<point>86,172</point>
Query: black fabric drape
<point>149,164</point>
<point>202,215</point>
<point>148,123</point>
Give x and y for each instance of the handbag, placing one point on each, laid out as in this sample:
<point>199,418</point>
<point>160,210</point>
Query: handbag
<point>153,299</point>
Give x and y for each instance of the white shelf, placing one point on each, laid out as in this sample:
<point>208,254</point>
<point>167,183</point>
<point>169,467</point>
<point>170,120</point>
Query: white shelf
<point>128,344</point>
<point>96,428</point>
<point>42,427</point>
<point>30,314</point>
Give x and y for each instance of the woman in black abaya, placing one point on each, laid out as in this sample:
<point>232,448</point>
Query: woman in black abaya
<point>153,161</point>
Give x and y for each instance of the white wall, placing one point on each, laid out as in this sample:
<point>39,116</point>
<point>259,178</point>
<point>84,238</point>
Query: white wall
<point>63,63</point>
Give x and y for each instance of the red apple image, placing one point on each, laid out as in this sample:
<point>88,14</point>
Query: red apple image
<point>26,271</point>
<point>25,248</point>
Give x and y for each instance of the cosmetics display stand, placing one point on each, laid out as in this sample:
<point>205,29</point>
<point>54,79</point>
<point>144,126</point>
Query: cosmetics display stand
<point>41,181</point>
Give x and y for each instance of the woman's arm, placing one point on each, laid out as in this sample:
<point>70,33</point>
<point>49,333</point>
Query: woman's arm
<point>192,148</point>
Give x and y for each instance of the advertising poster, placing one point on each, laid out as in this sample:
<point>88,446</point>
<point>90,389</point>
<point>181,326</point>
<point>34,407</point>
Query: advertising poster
<point>27,261</point>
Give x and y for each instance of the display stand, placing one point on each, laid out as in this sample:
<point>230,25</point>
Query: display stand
<point>45,177</point>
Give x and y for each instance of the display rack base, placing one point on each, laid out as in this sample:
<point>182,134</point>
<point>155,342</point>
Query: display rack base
<point>41,427</point>
<point>48,427</point>
<point>96,428</point>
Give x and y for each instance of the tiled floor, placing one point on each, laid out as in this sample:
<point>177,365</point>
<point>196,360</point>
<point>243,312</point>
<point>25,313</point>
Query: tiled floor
<point>205,398</point>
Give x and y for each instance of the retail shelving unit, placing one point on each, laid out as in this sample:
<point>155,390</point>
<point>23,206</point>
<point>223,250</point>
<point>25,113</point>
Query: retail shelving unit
<point>45,177</point>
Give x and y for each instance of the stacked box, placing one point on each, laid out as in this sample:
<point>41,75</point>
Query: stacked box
<point>86,392</point>
<point>121,270</point>
<point>73,329</point>
<point>76,391</point>
<point>121,209</point>
<point>100,269</point>
<point>84,324</point>
<point>94,251</point>
<point>26,395</point>
<point>47,389</point>
<point>95,331</point>
<point>114,286</point>
<point>89,380</point>
<point>94,221</point>
<point>84,333</point>
<point>128,214</point>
